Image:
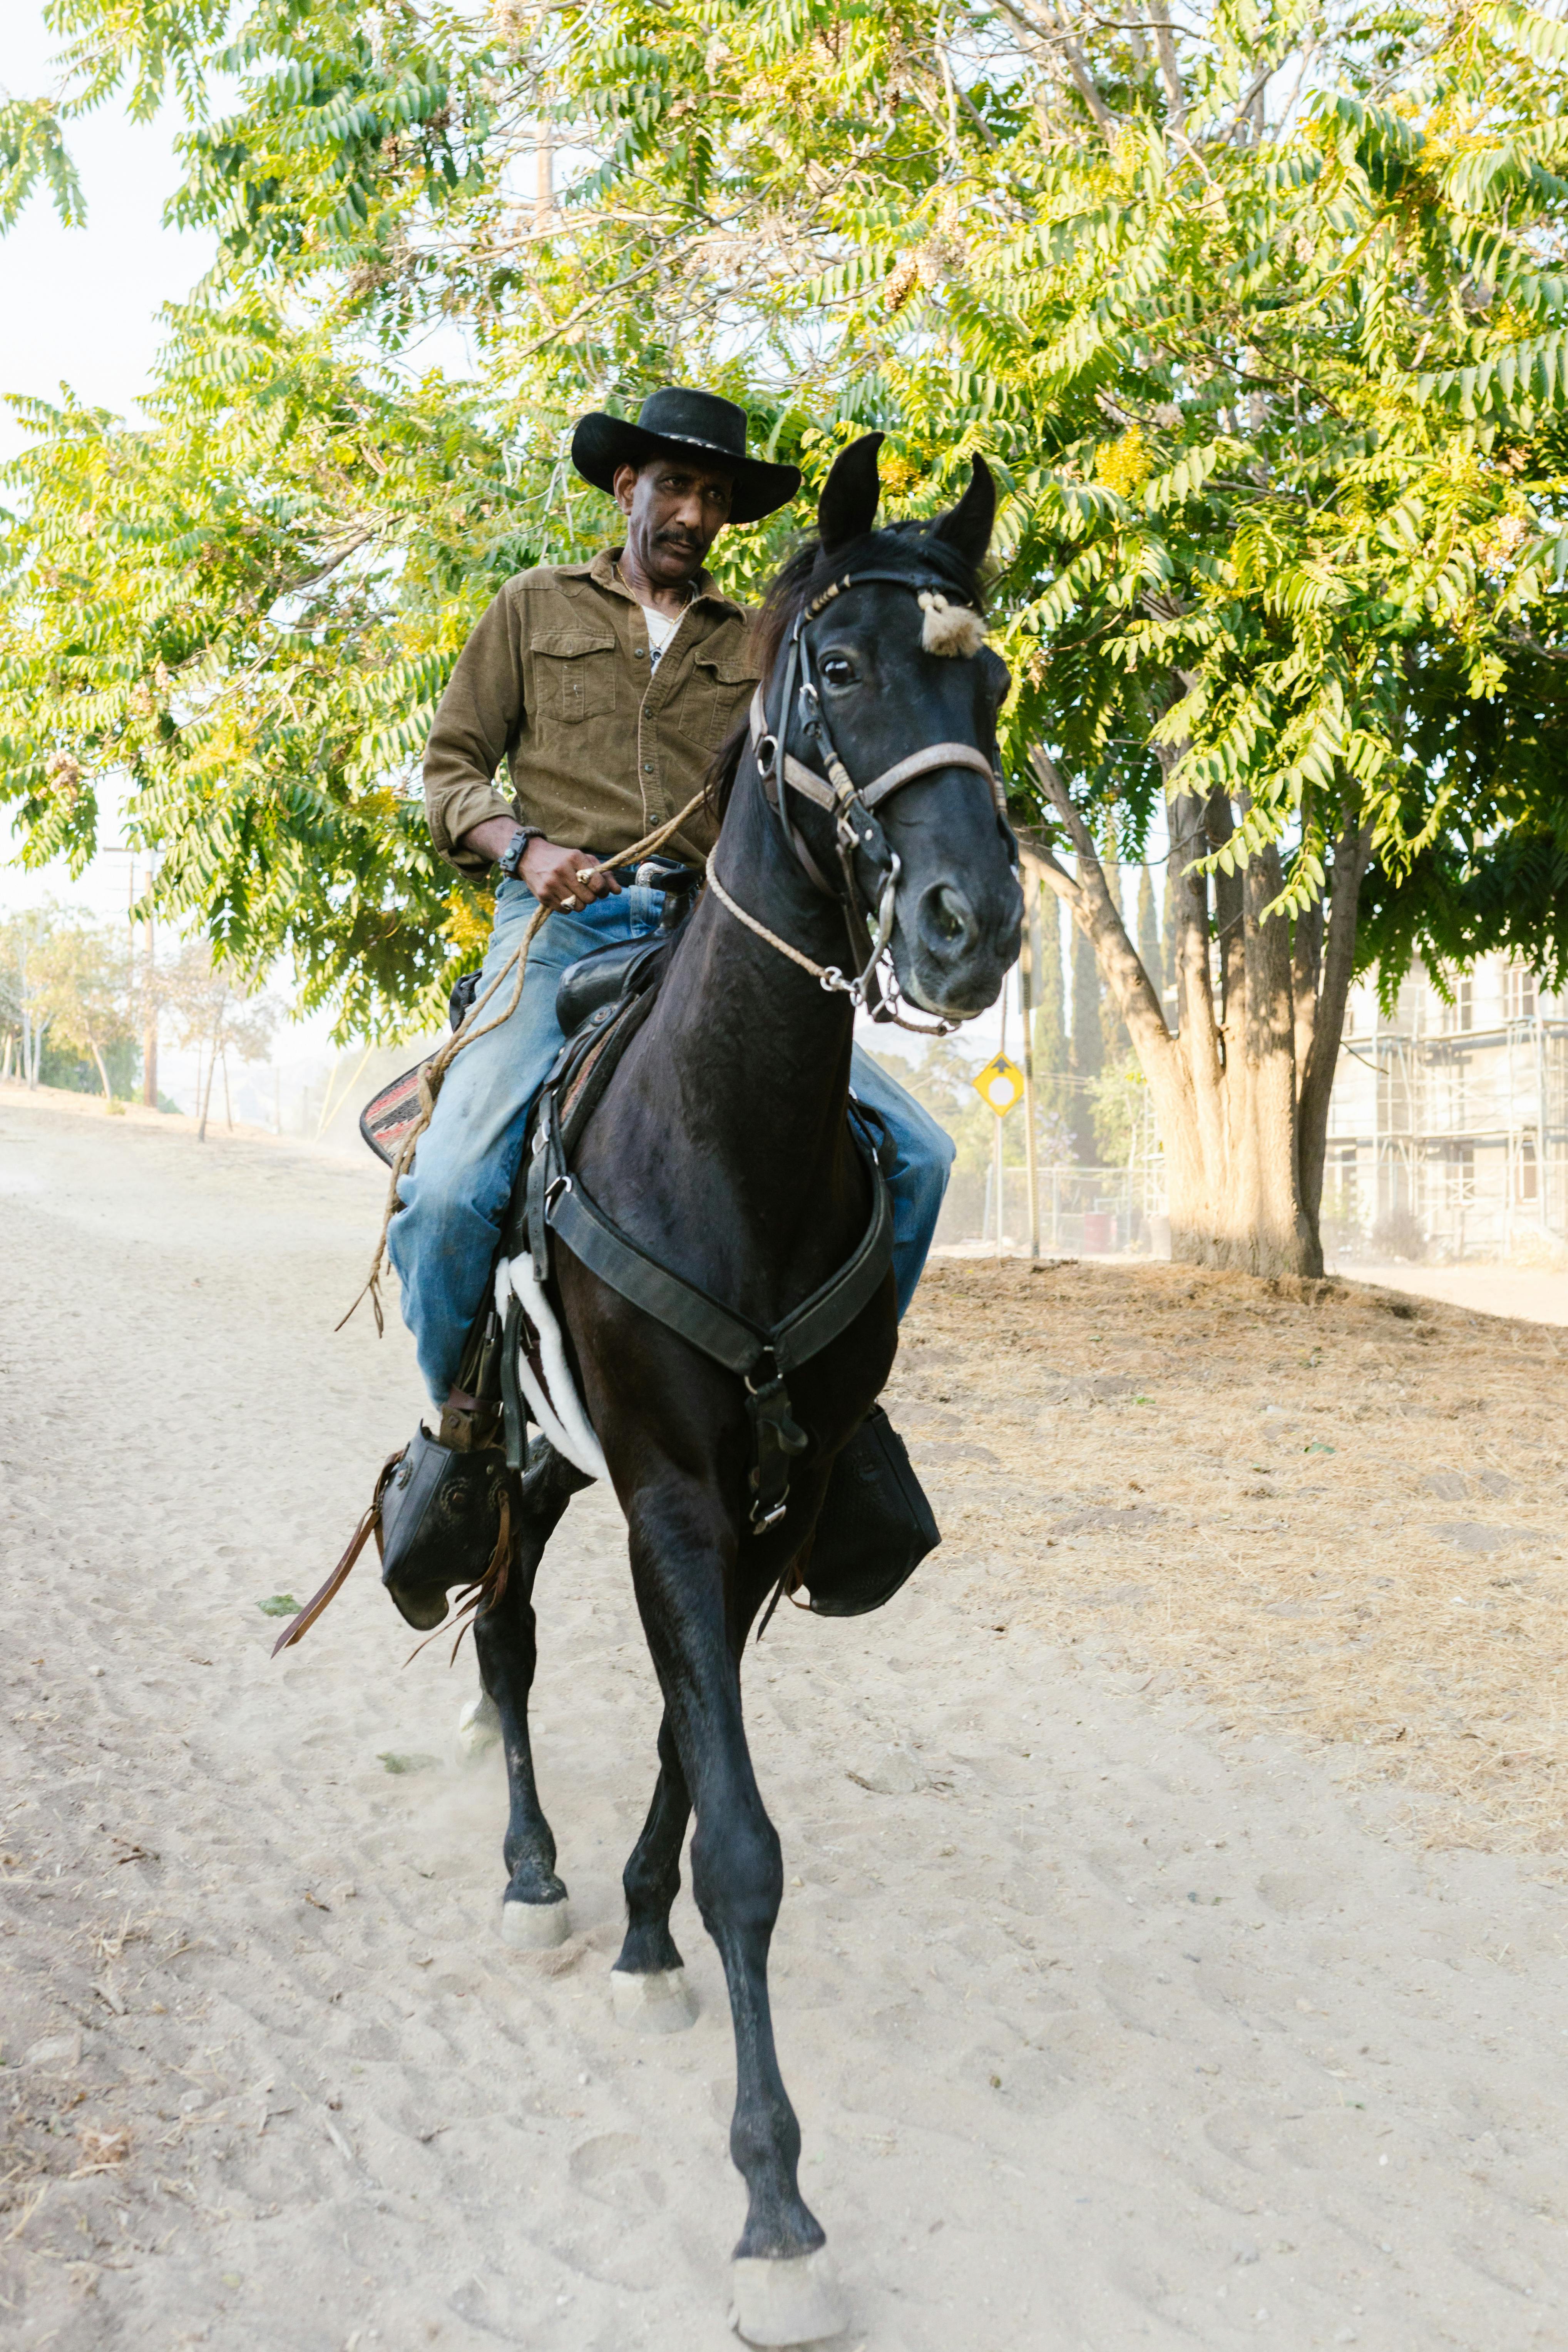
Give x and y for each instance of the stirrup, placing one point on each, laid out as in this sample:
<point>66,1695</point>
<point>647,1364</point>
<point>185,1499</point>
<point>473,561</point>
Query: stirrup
<point>441,1521</point>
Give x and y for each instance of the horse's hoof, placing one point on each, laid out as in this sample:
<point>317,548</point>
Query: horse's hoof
<point>658,2002</point>
<point>795,2300</point>
<point>479,1731</point>
<point>534,1926</point>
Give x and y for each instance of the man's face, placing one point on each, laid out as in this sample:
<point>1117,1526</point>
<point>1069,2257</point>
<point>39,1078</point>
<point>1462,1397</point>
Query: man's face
<point>674,509</point>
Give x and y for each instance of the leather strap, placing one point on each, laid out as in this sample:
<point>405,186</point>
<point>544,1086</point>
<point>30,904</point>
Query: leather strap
<point>729,1339</point>
<point>369,1525</point>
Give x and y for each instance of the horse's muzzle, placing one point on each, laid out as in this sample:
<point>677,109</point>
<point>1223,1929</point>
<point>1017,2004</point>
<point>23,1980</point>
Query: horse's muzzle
<point>959,946</point>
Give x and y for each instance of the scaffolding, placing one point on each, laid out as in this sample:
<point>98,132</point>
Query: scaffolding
<point>1446,1137</point>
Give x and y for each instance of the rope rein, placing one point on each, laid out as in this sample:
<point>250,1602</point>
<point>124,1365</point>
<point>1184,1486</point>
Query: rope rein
<point>827,975</point>
<point>435,1071</point>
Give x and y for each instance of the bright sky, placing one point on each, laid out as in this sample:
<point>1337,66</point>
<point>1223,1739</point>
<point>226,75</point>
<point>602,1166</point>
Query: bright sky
<point>87,302</point>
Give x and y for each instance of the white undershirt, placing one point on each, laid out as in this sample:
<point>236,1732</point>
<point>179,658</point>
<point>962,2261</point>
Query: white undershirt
<point>661,627</point>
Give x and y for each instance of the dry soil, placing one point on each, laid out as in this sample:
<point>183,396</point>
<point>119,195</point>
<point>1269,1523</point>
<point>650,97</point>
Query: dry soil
<point>1142,1978</point>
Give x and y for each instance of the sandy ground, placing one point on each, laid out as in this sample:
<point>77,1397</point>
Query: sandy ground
<point>1111,2018</point>
<point>1537,1293</point>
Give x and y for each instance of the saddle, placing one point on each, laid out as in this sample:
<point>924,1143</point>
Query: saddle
<point>875,1525</point>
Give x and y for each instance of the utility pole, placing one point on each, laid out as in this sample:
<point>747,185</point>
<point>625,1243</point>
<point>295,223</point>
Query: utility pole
<point>1027,995</point>
<point>148,1002</point>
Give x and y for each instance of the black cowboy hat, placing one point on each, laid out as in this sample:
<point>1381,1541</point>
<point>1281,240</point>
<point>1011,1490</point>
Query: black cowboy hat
<point>694,425</point>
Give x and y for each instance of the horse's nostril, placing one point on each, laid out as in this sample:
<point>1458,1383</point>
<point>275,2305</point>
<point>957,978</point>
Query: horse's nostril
<point>949,913</point>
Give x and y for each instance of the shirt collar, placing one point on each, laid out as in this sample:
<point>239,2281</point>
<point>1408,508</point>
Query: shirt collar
<point>605,572</point>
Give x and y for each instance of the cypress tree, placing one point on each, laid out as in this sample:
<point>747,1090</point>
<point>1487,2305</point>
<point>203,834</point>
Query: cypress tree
<point>1149,933</point>
<point>1117,1047</point>
<point>1052,1056</point>
<point>1087,1043</point>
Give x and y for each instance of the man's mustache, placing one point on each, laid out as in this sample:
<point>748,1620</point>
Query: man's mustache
<point>679,540</point>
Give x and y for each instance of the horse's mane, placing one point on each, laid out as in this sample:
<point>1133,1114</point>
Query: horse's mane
<point>910,547</point>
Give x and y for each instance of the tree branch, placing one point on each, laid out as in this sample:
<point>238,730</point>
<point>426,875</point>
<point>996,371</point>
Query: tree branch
<point>1055,34</point>
<point>1100,920</point>
<point>1170,72</point>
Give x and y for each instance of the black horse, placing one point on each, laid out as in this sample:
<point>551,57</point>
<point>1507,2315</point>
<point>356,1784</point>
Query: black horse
<point>723,1146</point>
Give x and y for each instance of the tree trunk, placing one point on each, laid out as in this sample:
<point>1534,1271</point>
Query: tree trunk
<point>1241,1088</point>
<point>102,1073</point>
<point>208,1095</point>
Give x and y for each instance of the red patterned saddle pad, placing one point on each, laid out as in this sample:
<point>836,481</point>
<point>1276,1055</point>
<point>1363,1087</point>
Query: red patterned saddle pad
<point>388,1116</point>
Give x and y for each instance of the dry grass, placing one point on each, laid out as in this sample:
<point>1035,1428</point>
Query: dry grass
<point>1330,1510</point>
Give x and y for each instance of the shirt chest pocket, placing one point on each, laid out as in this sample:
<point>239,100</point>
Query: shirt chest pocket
<point>723,680</point>
<point>575,673</point>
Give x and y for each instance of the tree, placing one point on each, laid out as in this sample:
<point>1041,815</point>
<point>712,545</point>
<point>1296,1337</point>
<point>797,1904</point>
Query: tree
<point>85,988</point>
<point>1259,317</point>
<point>1149,948</point>
<point>1053,1054</point>
<point>1088,1042</point>
<point>22,992</point>
<point>217,1009</point>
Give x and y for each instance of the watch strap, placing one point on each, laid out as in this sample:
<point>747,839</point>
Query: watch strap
<point>512,856</point>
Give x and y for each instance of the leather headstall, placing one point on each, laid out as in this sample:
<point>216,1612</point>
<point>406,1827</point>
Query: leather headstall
<point>859,830</point>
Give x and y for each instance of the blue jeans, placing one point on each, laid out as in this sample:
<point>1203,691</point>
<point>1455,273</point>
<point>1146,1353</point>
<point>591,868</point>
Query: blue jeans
<point>444,1239</point>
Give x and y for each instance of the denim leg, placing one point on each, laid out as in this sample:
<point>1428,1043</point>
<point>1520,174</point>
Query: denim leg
<point>925,1153</point>
<point>443,1240</point>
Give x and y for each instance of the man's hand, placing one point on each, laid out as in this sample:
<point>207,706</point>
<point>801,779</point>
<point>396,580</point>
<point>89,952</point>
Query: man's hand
<point>565,877</point>
<point>550,872</point>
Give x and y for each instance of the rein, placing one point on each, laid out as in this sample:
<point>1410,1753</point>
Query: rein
<point>857,828</point>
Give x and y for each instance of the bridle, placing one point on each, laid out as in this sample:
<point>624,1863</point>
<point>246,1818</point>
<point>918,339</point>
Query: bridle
<point>857,829</point>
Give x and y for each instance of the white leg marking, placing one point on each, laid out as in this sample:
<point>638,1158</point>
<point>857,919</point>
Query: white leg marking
<point>534,1926</point>
<point>479,1729</point>
<point>655,2003</point>
<point>795,2300</point>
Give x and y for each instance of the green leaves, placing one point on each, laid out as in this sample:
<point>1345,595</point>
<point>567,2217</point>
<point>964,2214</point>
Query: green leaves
<point>33,150</point>
<point>1276,396</point>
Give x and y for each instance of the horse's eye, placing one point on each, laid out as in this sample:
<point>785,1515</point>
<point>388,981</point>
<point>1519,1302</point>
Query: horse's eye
<point>837,670</point>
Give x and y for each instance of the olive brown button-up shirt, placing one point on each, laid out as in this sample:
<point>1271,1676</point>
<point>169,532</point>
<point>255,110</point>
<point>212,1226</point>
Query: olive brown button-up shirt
<point>602,745</point>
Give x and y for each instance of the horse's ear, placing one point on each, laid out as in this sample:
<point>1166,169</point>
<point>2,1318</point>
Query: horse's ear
<point>847,507</point>
<point>967,526</point>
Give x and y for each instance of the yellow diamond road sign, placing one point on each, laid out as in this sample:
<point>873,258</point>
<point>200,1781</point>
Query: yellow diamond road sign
<point>1000,1084</point>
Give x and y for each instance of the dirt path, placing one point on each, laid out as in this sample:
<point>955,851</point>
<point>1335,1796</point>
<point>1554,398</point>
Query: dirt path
<point>1106,2025</point>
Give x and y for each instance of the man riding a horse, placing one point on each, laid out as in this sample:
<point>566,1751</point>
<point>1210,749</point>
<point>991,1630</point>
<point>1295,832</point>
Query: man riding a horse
<point>607,688</point>
<point>726,1204</point>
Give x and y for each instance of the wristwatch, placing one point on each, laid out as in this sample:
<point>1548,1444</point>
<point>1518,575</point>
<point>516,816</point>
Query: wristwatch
<point>511,858</point>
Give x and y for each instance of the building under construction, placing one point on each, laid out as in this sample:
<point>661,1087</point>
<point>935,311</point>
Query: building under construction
<point>1448,1129</point>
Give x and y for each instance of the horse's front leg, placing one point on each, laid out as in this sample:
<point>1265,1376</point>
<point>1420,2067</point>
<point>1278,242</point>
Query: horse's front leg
<point>683,1552</point>
<point>534,1908</point>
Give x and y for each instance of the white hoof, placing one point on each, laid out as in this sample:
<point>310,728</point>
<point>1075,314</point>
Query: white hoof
<point>479,1729</point>
<point>793,2301</point>
<point>534,1926</point>
<point>655,2003</point>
